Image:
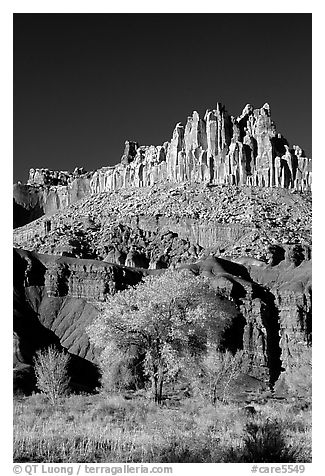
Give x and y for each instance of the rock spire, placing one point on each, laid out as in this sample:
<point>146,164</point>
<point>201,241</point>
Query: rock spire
<point>217,149</point>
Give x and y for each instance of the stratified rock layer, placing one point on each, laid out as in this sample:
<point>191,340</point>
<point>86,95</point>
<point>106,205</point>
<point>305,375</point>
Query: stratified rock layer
<point>56,298</point>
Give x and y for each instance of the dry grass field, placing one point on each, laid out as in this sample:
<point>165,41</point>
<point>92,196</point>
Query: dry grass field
<point>100,428</point>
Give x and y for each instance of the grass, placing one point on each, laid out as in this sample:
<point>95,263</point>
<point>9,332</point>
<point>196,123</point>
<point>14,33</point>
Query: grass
<point>100,428</point>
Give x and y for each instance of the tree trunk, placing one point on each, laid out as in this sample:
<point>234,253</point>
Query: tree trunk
<point>154,387</point>
<point>157,381</point>
<point>160,387</point>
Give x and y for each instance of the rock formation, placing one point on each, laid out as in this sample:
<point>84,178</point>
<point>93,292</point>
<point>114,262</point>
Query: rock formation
<point>59,297</point>
<point>217,149</point>
<point>226,197</point>
<point>47,192</point>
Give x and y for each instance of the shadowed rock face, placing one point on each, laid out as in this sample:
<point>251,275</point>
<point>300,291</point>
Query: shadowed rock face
<point>56,298</point>
<point>35,199</point>
<point>28,204</point>
<point>257,328</point>
<point>274,326</point>
<point>291,285</point>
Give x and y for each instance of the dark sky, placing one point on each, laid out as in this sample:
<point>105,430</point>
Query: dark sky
<point>84,83</point>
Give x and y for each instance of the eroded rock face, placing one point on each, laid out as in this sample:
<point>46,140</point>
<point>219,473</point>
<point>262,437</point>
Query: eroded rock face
<point>290,284</point>
<point>59,297</point>
<point>54,177</point>
<point>48,192</point>
<point>256,328</point>
<point>276,308</point>
<point>217,149</point>
<point>28,204</point>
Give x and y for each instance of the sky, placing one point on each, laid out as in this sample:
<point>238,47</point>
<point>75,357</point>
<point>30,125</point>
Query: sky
<point>85,83</point>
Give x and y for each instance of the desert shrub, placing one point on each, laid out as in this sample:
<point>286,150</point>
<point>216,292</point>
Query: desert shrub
<point>264,442</point>
<point>51,370</point>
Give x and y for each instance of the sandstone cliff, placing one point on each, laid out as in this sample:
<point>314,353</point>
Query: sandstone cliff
<point>215,149</point>
<point>47,192</point>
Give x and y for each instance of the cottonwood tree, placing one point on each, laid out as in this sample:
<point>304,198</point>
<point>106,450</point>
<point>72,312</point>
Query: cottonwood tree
<point>167,318</point>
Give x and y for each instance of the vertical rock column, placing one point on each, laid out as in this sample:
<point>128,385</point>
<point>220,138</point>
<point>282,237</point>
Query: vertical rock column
<point>220,144</point>
<point>264,131</point>
<point>175,147</point>
<point>194,159</point>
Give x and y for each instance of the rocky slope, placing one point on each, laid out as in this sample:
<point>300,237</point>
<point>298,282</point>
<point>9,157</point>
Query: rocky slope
<point>168,224</point>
